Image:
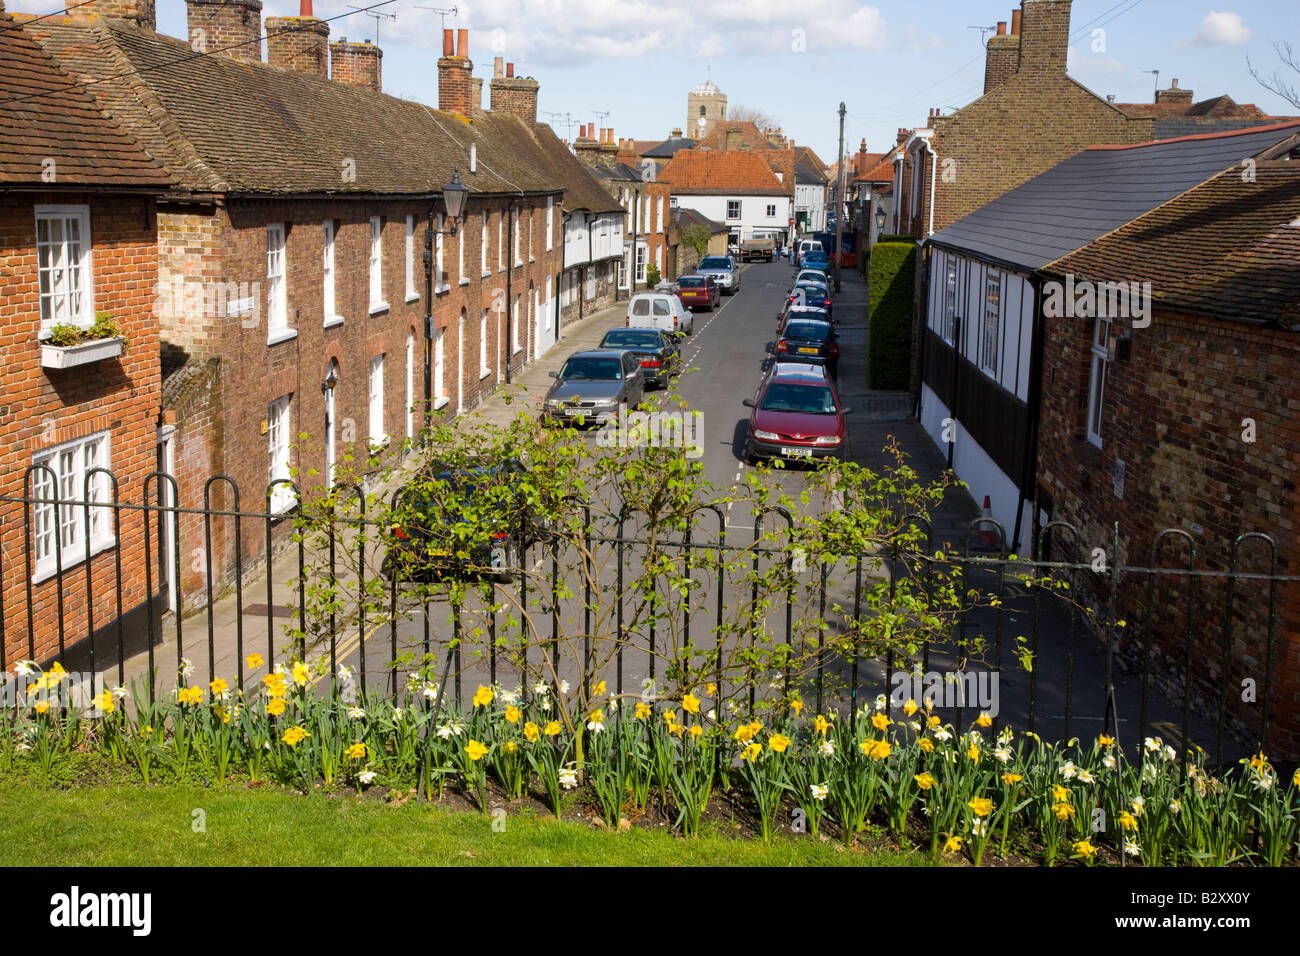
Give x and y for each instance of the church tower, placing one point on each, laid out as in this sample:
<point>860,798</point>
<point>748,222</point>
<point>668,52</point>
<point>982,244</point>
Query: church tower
<point>706,106</point>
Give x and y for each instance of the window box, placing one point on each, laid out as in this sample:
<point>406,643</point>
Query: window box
<point>83,353</point>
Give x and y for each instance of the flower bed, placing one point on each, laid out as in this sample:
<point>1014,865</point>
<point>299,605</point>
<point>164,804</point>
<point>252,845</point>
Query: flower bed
<point>957,792</point>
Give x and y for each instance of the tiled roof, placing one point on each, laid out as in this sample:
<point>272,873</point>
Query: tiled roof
<point>751,137</point>
<point>882,172</point>
<point>1228,248</point>
<point>707,171</point>
<point>805,174</point>
<point>692,217</point>
<point>48,116</point>
<point>1223,106</point>
<point>222,125</point>
<point>668,147</point>
<point>1097,191</point>
<point>806,154</point>
<point>582,190</point>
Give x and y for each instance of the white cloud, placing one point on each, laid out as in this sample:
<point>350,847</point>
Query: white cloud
<point>1222,29</point>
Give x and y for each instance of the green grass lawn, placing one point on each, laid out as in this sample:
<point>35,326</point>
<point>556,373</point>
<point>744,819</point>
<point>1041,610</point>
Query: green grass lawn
<point>128,825</point>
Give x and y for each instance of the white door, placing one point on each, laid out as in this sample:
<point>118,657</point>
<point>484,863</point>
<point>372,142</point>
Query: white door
<point>167,526</point>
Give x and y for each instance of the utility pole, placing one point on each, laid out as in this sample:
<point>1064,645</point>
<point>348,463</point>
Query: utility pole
<point>839,202</point>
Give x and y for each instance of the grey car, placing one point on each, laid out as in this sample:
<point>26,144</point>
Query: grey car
<point>724,271</point>
<point>592,385</point>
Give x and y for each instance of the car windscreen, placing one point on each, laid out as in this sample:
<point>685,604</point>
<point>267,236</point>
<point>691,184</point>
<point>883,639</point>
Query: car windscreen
<point>808,331</point>
<point>794,397</point>
<point>592,369</point>
<point>690,282</point>
<point>631,340</point>
<point>715,262</point>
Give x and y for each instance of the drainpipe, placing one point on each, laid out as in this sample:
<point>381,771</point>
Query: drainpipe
<point>929,229</point>
<point>1029,477</point>
<point>956,392</point>
<point>428,319</point>
<point>925,324</point>
<point>510,271</point>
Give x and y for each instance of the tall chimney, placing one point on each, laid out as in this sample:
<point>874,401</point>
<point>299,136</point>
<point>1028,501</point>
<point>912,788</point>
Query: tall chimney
<point>139,12</point>
<point>516,95</point>
<point>1002,57</point>
<point>455,89</point>
<point>585,146</point>
<point>1174,95</point>
<point>232,28</point>
<point>357,64</point>
<point>1015,23</point>
<point>497,66</point>
<point>299,43</point>
<point>476,93</point>
<point>1045,37</point>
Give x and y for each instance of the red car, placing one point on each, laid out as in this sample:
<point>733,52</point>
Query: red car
<point>699,291</point>
<point>796,415</point>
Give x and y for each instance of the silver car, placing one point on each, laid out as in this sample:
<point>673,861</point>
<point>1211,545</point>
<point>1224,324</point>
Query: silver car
<point>593,384</point>
<point>724,271</point>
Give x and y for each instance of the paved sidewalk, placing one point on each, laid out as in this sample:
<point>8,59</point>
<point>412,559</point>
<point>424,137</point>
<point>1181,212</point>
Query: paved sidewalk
<point>237,626</point>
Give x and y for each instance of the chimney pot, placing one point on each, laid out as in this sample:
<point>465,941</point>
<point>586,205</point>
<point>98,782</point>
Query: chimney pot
<point>1174,85</point>
<point>1002,28</point>
<point>1015,23</point>
<point>496,66</point>
<point>510,69</point>
<point>304,9</point>
<point>462,44</point>
<point>448,49</point>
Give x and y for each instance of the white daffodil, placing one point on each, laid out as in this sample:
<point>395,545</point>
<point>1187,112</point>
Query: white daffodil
<point>541,688</point>
<point>397,713</point>
<point>881,702</point>
<point>25,668</point>
<point>545,704</point>
<point>345,673</point>
<point>430,691</point>
<point>712,714</point>
<point>819,791</point>
<point>1068,771</point>
<point>596,726</point>
<point>1003,754</point>
<point>1138,804</point>
<point>942,734</point>
<point>1086,776</point>
<point>1108,762</point>
<point>979,826</point>
<point>509,696</point>
<point>366,776</point>
<point>826,748</point>
<point>119,693</point>
<point>1004,737</point>
<point>412,683</point>
<point>1175,807</point>
<point>915,725</point>
<point>1170,754</point>
<point>568,778</point>
<point>356,713</point>
<point>1149,773</point>
<point>613,705</point>
<point>1131,847</point>
<point>564,687</point>
<point>1263,781</point>
<point>1152,744</point>
<point>186,668</point>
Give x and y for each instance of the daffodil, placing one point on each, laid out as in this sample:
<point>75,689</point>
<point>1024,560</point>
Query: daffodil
<point>482,696</point>
<point>751,751</point>
<point>819,791</point>
<point>356,752</point>
<point>568,778</point>
<point>981,806</point>
<point>366,776</point>
<point>926,745</point>
<point>691,704</point>
<point>875,749</point>
<point>924,780</point>
<point>880,721</point>
<point>778,742</point>
<point>552,728</point>
<point>254,661</point>
<point>1126,820</point>
<point>475,750</point>
<point>218,687</point>
<point>821,725</point>
<point>104,702</point>
<point>984,720</point>
<point>1063,811</point>
<point>910,707</point>
<point>275,706</point>
<point>531,732</point>
<point>1010,778</point>
<point>191,695</point>
<point>598,689</point>
<point>825,748</point>
<point>301,674</point>
<point>797,706</point>
<point>513,714</point>
<point>696,730</point>
<point>952,844</point>
<point>642,710</point>
<point>1085,849</point>
<point>1060,794</point>
<point>1105,740</point>
<point>294,736</point>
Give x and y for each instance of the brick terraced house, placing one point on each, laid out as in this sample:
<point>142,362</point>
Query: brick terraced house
<point>77,239</point>
<point>291,297</point>
<point>737,188</point>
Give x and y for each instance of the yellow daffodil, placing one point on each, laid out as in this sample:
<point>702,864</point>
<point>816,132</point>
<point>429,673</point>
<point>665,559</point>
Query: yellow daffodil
<point>926,745</point>
<point>642,710</point>
<point>531,732</point>
<point>475,750</point>
<point>105,702</point>
<point>981,806</point>
<point>1059,793</point>
<point>934,720</point>
<point>1010,778</point>
<point>670,717</point>
<point>1126,820</point>
<point>696,730</point>
<point>875,749</point>
<point>924,780</point>
<point>952,844</point>
<point>778,742</point>
<point>482,696</point>
<point>301,674</point>
<point>513,714</point>
<point>691,704</point>
<point>751,752</point>
<point>275,707</point>
<point>1085,849</point>
<point>880,721</point>
<point>254,661</point>
<point>356,752</point>
<point>42,707</point>
<point>598,689</point>
<point>1259,762</point>
<point>511,746</point>
<point>797,706</point>
<point>223,714</point>
<point>711,689</point>
<point>973,751</point>
<point>294,736</point>
<point>821,725</point>
<point>552,728</point>
<point>910,707</point>
<point>219,687</point>
<point>191,695</point>
<point>1295,779</point>
<point>1063,811</point>
<point>745,732</point>
<point>1105,740</point>
<point>984,720</point>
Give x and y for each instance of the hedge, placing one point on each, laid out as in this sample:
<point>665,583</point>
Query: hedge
<point>891,285</point>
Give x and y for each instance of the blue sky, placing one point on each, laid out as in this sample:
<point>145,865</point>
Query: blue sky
<point>889,61</point>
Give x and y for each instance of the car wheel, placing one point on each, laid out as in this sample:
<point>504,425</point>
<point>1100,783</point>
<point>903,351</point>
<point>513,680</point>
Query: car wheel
<point>748,454</point>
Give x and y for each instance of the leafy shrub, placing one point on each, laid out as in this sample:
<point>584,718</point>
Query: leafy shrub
<point>889,329</point>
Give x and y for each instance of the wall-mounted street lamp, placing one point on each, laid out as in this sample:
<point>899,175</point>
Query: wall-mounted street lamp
<point>331,379</point>
<point>880,218</point>
<point>454,196</point>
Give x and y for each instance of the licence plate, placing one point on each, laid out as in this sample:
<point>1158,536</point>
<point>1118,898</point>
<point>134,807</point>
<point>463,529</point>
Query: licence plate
<point>796,452</point>
<point>437,553</point>
<point>807,351</point>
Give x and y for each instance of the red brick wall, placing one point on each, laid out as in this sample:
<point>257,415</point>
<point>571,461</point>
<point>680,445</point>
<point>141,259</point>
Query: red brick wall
<point>516,96</point>
<point>358,64</point>
<point>40,408</point>
<point>298,43</point>
<point>233,27</point>
<point>1173,414</point>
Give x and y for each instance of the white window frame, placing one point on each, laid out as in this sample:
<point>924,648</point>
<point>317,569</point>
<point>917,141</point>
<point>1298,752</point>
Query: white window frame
<point>546,303</point>
<point>736,203</point>
<point>329,291</point>
<point>659,217</point>
<point>519,227</point>
<point>410,384</point>
<point>948,321</point>
<point>771,211</point>
<point>501,246</point>
<point>483,246</point>
<point>439,273</point>
<point>461,278</point>
<point>378,435</point>
<point>61,279</point>
<point>990,343</point>
<point>550,222</point>
<point>70,461</point>
<point>278,417</point>
<point>1097,376</point>
<point>277,287</point>
<point>514,326</point>
<point>641,258</point>
<point>483,369</point>
<point>411,292</point>
<point>377,303</point>
<point>440,396</point>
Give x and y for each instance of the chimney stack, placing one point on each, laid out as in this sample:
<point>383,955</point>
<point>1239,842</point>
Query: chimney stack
<point>1002,59</point>
<point>902,136</point>
<point>1015,23</point>
<point>585,146</point>
<point>298,43</point>
<point>356,64</point>
<point>455,72</point>
<point>476,94</point>
<point>496,67</point>
<point>139,12</point>
<point>1045,37</point>
<point>515,95</point>
<point>676,133</point>
<point>215,25</point>
<point>1174,95</point>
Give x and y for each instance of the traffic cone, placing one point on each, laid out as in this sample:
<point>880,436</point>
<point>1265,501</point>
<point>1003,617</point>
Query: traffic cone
<point>987,536</point>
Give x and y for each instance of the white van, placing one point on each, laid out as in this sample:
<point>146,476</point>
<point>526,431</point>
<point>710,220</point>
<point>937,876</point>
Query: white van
<point>806,245</point>
<point>659,310</point>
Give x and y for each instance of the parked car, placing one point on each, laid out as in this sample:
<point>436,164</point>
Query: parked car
<point>795,312</point>
<point>657,351</point>
<point>699,292</point>
<point>592,384</point>
<point>461,522</point>
<point>808,274</point>
<point>724,271</point>
<point>796,415</point>
<point>661,310</point>
<point>803,248</point>
<point>809,340</point>
<point>816,259</point>
<point>812,295</point>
